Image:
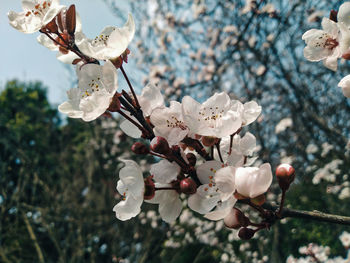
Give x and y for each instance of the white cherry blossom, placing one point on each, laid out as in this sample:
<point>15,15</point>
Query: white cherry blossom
<point>345,85</point>
<point>249,111</point>
<point>327,44</point>
<point>131,187</point>
<point>36,14</point>
<point>97,85</point>
<point>168,122</point>
<point>222,209</point>
<point>110,43</point>
<point>212,118</point>
<point>253,181</point>
<point>225,182</point>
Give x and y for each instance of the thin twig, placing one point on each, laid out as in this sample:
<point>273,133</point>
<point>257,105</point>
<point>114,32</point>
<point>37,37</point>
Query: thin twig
<point>131,88</point>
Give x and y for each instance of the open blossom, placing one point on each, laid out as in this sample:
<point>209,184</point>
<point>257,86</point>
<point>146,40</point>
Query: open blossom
<point>151,98</point>
<point>168,122</point>
<point>212,118</point>
<point>131,187</point>
<point>249,111</point>
<point>96,88</point>
<point>169,201</point>
<point>110,43</point>
<point>327,44</point>
<point>36,14</point>
<point>253,181</point>
<point>345,85</point>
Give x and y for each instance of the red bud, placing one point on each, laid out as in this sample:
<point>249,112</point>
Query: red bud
<point>246,233</point>
<point>285,174</point>
<point>160,145</point>
<point>71,20</point>
<point>188,186</point>
<point>150,189</point>
<point>139,148</point>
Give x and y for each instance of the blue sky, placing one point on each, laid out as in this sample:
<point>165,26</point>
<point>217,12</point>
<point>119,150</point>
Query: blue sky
<point>23,58</point>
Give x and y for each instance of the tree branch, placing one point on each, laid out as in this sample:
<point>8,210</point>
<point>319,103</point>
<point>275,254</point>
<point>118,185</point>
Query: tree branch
<point>312,215</point>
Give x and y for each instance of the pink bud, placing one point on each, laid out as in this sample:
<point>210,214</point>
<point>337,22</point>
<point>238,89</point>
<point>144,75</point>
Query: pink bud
<point>188,186</point>
<point>285,174</point>
<point>139,148</point>
<point>160,145</point>
<point>150,189</point>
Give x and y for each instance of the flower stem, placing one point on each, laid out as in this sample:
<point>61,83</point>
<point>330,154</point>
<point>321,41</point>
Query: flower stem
<point>131,88</point>
<point>219,152</point>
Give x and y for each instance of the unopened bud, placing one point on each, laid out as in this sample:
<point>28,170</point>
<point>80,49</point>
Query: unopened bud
<point>236,219</point>
<point>71,19</point>
<point>246,233</point>
<point>52,26</point>
<point>160,145</point>
<point>188,186</point>
<point>115,103</point>
<point>285,174</point>
<point>333,15</point>
<point>191,159</point>
<point>139,148</point>
<point>209,141</point>
<point>150,189</point>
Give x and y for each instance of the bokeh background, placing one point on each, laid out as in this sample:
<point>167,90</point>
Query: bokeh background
<point>58,175</point>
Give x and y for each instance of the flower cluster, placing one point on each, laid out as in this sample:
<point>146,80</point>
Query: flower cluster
<point>331,43</point>
<point>202,156</point>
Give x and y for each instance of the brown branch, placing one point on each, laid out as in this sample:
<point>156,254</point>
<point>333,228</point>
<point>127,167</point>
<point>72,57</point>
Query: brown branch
<point>311,215</point>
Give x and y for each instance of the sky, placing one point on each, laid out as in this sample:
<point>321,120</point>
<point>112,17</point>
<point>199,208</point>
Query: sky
<point>24,59</point>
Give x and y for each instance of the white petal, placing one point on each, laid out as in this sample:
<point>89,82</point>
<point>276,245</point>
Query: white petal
<point>165,171</point>
<point>207,170</point>
<point>344,14</point>
<point>130,129</point>
<point>129,208</point>
<point>225,182</point>
<point>169,211</point>
<point>331,63</point>
<point>251,112</point>
<point>253,181</point>
<point>222,210</point>
<point>132,178</point>
<point>345,85</point>
<point>150,99</point>
<point>248,144</point>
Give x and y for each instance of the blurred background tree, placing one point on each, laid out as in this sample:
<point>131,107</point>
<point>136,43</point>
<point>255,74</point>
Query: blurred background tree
<point>58,177</point>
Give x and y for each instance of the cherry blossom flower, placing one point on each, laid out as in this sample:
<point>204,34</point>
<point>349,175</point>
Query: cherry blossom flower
<point>222,209</point>
<point>212,118</point>
<point>36,14</point>
<point>345,239</point>
<point>252,181</point>
<point>151,98</point>
<point>225,182</point>
<point>97,85</point>
<point>345,85</point>
<point>110,43</point>
<point>207,195</point>
<point>168,122</point>
<point>131,187</point>
<point>169,201</point>
<point>327,44</point>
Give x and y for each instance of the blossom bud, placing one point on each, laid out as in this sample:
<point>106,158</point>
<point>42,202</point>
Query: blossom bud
<point>333,15</point>
<point>115,103</point>
<point>160,145</point>
<point>209,141</point>
<point>150,189</point>
<point>71,20</point>
<point>188,186</point>
<point>236,219</point>
<point>139,148</point>
<point>191,159</point>
<point>285,174</point>
<point>246,233</point>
